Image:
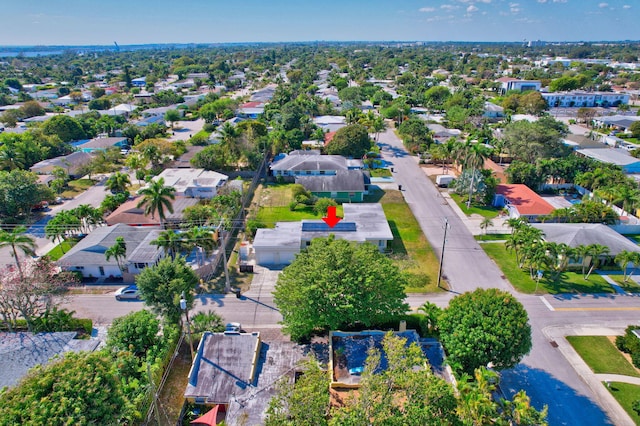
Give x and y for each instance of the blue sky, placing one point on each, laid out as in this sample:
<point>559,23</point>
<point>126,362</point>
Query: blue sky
<point>83,22</point>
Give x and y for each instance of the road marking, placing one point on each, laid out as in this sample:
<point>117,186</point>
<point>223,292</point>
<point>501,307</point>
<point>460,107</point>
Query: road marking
<point>547,304</point>
<point>628,308</point>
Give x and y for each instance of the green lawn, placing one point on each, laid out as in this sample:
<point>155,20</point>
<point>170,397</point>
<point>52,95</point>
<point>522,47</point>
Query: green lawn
<point>568,282</point>
<point>491,237</point>
<point>482,210</point>
<point>273,202</point>
<point>630,286</point>
<point>602,356</point>
<point>410,249</point>
<point>76,187</point>
<point>380,172</point>
<point>58,251</point>
<point>626,394</point>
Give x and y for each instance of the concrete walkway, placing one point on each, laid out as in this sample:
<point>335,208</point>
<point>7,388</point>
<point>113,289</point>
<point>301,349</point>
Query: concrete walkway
<point>618,378</point>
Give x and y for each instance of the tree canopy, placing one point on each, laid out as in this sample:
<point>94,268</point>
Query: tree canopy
<point>335,283</point>
<point>350,141</point>
<point>81,388</point>
<point>161,286</point>
<point>485,326</point>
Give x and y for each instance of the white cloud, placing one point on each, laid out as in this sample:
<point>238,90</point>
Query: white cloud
<point>626,6</point>
<point>448,7</point>
<point>514,7</point>
<point>559,1</point>
<point>542,1</point>
<point>427,9</point>
<point>472,9</point>
<point>603,5</point>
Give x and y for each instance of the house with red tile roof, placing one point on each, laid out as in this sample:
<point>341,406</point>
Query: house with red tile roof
<point>521,201</point>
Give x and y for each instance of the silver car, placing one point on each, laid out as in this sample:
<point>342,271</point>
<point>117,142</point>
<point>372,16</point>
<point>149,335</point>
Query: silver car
<point>130,292</point>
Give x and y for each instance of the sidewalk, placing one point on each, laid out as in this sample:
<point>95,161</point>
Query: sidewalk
<point>604,398</point>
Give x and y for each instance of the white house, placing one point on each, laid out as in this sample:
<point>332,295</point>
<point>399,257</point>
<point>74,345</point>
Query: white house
<point>88,256</point>
<point>585,99</point>
<point>361,223</point>
<point>195,183</point>
<point>508,84</point>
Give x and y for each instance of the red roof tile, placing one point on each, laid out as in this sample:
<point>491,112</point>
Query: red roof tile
<point>524,199</point>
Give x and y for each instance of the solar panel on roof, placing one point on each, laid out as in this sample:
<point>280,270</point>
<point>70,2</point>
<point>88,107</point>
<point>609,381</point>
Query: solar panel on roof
<point>323,227</point>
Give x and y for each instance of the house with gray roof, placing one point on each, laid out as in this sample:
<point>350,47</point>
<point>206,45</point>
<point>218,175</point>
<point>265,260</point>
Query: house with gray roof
<point>584,234</point>
<point>361,223</point>
<point>310,163</point>
<point>102,144</point>
<point>72,164</point>
<point>88,256</point>
<point>344,186</point>
<point>615,156</point>
<point>234,374</point>
<point>195,183</point>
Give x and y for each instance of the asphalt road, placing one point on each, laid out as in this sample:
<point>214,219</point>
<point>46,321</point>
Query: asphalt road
<point>545,374</point>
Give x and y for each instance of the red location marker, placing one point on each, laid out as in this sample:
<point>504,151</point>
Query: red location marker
<point>331,219</point>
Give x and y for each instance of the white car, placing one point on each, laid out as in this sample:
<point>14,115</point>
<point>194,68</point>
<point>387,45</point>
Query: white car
<point>130,292</point>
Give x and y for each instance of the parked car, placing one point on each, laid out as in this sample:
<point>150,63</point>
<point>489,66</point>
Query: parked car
<point>41,206</point>
<point>130,292</point>
<point>233,327</point>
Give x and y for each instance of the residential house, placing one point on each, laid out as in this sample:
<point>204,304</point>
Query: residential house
<point>71,163</point>
<point>234,373</point>
<point>265,94</point>
<point>584,234</point>
<point>330,123</point>
<point>616,156</point>
<point>509,83</point>
<point>129,213</point>
<point>617,122</point>
<point>251,110</point>
<point>139,82</point>
<point>184,161</point>
<point>195,183</point>
<point>344,186</point>
<point>521,201</point>
<point>102,144</point>
<point>361,223</point>
<point>88,256</point>
<point>309,163</point>
<point>492,110</point>
<point>348,353</point>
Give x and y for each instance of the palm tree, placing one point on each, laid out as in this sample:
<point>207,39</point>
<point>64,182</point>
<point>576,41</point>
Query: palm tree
<point>171,242</point>
<point>486,223</point>
<point>474,158</point>
<point>118,251</point>
<point>204,239</point>
<point>136,163</point>
<point>515,223</point>
<point>156,198</point>
<point>595,251</point>
<point>17,239</point>
<point>55,231</point>
<point>628,197</point>
<point>118,182</point>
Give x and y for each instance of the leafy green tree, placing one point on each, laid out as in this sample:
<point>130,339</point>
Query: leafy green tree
<point>350,141</point>
<point>321,205</point>
<point>334,284</point>
<point>162,284</point>
<point>406,392</point>
<point>485,326</point>
<point>118,182</point>
<point>136,332</point>
<point>19,192</point>
<point>17,239</point>
<point>156,198</point>
<point>172,116</point>
<point>81,388</point>
<point>212,157</point>
<point>415,133</point>
<point>171,242</point>
<point>65,127</point>
<point>305,403</point>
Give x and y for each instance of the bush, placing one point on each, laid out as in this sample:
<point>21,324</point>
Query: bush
<point>253,225</point>
<point>321,205</point>
<point>61,320</point>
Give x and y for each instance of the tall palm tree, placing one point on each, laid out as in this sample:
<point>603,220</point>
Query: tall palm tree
<point>486,223</point>
<point>595,251</point>
<point>17,239</point>
<point>117,251</point>
<point>55,231</point>
<point>118,182</point>
<point>474,158</point>
<point>171,242</point>
<point>204,239</point>
<point>156,198</point>
<point>623,259</point>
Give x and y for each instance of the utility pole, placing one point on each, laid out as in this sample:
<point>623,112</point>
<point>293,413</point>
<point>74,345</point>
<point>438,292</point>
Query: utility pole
<point>227,283</point>
<point>183,306</point>
<point>444,242</point>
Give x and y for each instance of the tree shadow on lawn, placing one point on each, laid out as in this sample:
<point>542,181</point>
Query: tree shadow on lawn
<point>563,285</point>
<point>397,245</point>
<point>566,405</point>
